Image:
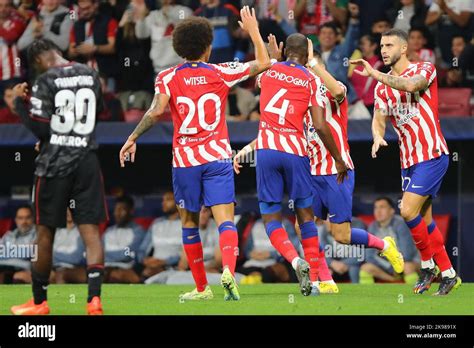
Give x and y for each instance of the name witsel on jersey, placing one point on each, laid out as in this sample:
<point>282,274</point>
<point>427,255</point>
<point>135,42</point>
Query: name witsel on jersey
<point>195,81</point>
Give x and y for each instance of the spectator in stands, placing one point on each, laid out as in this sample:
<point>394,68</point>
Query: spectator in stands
<point>69,254</point>
<point>229,43</point>
<point>364,86</point>
<point>264,264</point>
<point>343,260</point>
<point>380,25</point>
<point>455,76</point>
<point>312,14</point>
<point>373,15</point>
<point>92,38</point>
<point>159,25</point>
<point>17,268</point>
<point>417,46</point>
<point>162,245</point>
<point>122,243</point>
<point>276,17</point>
<point>388,224</point>
<point>135,79</point>
<point>241,103</point>
<point>453,18</point>
<point>26,9</point>
<point>12,26</point>
<point>336,55</point>
<point>113,108</point>
<point>7,113</point>
<point>53,22</point>
<point>211,255</point>
<point>466,64</point>
<point>408,14</point>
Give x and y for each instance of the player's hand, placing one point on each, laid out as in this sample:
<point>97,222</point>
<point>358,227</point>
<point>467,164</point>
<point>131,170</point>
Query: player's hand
<point>275,51</point>
<point>38,146</point>
<point>342,169</point>
<point>237,160</point>
<point>128,151</point>
<point>248,21</point>
<point>367,71</point>
<point>21,90</point>
<point>378,142</point>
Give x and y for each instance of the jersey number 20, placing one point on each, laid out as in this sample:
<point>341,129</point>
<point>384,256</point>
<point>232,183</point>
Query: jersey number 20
<point>208,97</point>
<point>71,109</point>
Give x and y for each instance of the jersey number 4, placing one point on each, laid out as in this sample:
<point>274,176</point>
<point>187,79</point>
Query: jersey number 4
<point>208,97</point>
<point>281,112</point>
<point>74,111</point>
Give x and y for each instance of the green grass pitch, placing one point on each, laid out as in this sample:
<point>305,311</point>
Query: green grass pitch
<point>268,299</point>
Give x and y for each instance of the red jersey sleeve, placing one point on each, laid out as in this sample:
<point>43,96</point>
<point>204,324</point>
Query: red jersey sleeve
<point>317,95</point>
<point>380,99</point>
<point>161,82</point>
<point>233,72</point>
<point>427,70</point>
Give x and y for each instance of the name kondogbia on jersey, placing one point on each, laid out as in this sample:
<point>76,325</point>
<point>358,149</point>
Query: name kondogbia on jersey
<point>64,103</point>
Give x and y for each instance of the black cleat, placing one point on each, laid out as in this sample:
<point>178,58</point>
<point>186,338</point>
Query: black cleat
<point>448,284</point>
<point>427,276</point>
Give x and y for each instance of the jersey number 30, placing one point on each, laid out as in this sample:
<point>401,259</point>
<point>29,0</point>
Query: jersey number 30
<point>74,111</point>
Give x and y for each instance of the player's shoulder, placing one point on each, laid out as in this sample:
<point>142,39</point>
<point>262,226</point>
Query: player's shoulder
<point>423,65</point>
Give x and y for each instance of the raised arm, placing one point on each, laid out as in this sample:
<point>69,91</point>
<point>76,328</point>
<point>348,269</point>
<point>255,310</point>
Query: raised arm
<point>153,114</point>
<point>249,23</point>
<point>379,123</point>
<point>324,133</point>
<point>408,84</point>
<point>337,91</point>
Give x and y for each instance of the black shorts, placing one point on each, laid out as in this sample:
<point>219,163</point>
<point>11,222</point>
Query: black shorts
<point>82,191</point>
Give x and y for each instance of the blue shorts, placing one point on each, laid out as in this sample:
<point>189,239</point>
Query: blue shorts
<point>425,178</point>
<point>209,184</point>
<point>279,172</point>
<point>332,199</point>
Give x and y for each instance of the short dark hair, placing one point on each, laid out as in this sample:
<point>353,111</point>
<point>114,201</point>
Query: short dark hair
<point>459,36</point>
<point>331,25</point>
<point>192,37</point>
<point>401,34</point>
<point>296,44</point>
<point>387,199</point>
<point>40,46</point>
<point>24,206</point>
<point>127,200</point>
<point>381,19</point>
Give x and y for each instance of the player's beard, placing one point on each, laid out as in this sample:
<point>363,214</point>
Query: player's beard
<point>394,60</point>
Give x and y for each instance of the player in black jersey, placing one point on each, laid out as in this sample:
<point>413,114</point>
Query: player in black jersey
<point>61,113</point>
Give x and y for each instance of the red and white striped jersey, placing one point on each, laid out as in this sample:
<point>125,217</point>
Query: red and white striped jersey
<point>198,95</point>
<point>10,31</point>
<point>414,116</point>
<point>287,91</point>
<point>322,163</point>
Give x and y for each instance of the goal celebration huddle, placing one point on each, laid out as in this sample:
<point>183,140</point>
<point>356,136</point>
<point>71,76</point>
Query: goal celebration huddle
<point>301,152</point>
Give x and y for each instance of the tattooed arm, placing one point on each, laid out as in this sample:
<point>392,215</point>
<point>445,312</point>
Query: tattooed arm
<point>249,23</point>
<point>407,84</point>
<point>152,115</point>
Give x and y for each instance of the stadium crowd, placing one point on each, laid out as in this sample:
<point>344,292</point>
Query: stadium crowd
<point>129,42</point>
<point>150,251</point>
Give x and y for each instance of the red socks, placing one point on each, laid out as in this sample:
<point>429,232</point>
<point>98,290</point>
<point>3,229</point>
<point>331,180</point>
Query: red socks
<point>324,272</point>
<point>279,239</point>
<point>310,242</point>
<point>440,255</point>
<point>193,249</point>
<point>229,244</point>
<point>419,232</point>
